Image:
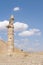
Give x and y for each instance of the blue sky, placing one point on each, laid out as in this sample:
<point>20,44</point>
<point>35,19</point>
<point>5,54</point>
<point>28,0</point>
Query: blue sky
<point>28,15</point>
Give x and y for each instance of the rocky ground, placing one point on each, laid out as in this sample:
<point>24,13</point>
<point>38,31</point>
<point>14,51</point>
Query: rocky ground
<point>22,59</point>
<point>19,57</point>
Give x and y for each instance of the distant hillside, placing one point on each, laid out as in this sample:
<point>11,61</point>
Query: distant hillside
<point>3,46</point>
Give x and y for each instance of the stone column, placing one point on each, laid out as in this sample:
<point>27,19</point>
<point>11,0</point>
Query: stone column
<point>11,36</point>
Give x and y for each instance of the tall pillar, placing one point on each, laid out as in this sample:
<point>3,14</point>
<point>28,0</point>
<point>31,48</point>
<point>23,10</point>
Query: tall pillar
<point>11,35</point>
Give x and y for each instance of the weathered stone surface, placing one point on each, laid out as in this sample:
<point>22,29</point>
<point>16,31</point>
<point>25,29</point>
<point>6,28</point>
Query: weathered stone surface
<point>10,36</point>
<point>21,59</point>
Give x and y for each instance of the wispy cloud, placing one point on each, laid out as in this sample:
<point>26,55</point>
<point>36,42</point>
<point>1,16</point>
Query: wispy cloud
<point>18,26</point>
<point>16,9</point>
<point>30,32</point>
<point>37,43</point>
<point>3,24</point>
<point>22,43</point>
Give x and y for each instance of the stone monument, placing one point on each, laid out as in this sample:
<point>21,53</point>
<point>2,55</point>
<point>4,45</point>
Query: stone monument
<point>10,28</point>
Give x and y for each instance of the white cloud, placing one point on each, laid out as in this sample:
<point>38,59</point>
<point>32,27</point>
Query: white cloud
<point>16,9</point>
<point>20,26</point>
<point>30,32</point>
<point>3,24</point>
<point>17,26</point>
